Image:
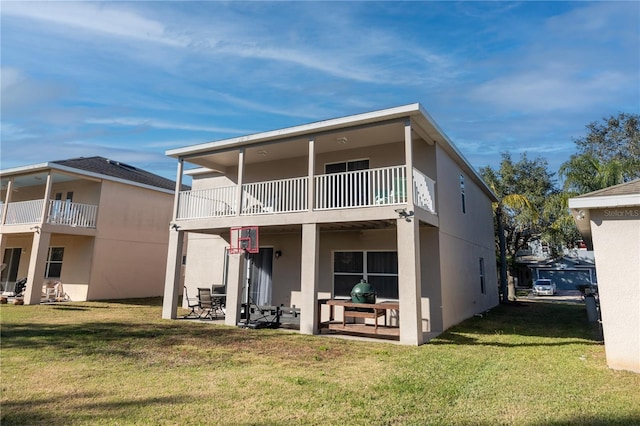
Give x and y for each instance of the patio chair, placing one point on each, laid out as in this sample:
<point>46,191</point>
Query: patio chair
<point>208,304</point>
<point>192,303</point>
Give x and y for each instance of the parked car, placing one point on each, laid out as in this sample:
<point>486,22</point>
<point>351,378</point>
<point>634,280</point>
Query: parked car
<point>544,287</point>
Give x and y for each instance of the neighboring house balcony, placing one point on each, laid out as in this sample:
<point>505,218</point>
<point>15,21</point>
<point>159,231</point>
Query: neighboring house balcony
<point>378,187</point>
<point>56,212</point>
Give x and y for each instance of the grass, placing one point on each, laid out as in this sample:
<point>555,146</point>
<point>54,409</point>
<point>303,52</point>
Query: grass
<point>119,363</point>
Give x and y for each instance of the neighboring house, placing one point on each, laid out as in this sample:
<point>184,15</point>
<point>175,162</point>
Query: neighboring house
<point>383,196</point>
<point>566,272</point>
<point>96,225</point>
<point>609,221</point>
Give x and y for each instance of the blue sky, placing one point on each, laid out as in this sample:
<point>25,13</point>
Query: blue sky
<point>129,80</point>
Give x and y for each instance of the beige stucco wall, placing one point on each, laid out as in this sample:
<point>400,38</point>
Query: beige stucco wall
<point>616,236</point>
<point>464,239</point>
<point>131,243</point>
<point>76,263</point>
<point>205,262</point>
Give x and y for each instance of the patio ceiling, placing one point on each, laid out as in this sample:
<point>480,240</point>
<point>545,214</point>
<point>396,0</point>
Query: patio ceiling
<point>340,140</point>
<point>34,179</point>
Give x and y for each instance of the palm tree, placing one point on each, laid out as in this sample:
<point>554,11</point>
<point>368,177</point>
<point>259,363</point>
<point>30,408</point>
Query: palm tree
<point>587,173</point>
<point>511,206</point>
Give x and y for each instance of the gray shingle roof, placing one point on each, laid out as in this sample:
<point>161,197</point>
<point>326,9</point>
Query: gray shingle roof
<point>119,170</point>
<point>627,188</point>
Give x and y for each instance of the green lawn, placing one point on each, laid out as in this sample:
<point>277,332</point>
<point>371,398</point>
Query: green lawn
<point>119,363</point>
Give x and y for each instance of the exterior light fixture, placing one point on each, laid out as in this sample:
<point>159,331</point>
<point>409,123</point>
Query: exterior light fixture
<point>277,254</point>
<point>262,153</point>
<point>342,140</point>
<point>580,215</point>
<point>405,214</point>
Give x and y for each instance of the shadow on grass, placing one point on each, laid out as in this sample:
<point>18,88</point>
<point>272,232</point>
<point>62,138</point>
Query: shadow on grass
<point>146,301</point>
<point>549,320</point>
<point>77,407</point>
<point>128,339</point>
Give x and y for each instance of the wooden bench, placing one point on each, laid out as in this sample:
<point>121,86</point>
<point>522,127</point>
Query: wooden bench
<point>357,310</point>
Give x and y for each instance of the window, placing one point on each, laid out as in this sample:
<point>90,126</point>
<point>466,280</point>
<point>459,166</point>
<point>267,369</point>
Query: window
<point>346,166</point>
<point>350,190</point>
<point>54,262</point>
<point>464,207</point>
<point>482,286</point>
<point>378,268</point>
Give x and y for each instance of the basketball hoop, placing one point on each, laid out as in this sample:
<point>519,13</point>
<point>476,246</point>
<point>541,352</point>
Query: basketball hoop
<point>244,239</point>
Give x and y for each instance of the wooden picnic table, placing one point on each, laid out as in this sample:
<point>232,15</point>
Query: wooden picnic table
<point>361,310</point>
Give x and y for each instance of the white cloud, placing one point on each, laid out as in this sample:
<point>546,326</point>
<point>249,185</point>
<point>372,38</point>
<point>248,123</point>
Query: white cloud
<point>94,17</point>
<point>160,124</point>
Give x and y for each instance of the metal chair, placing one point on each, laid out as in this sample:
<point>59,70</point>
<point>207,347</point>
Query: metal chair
<point>192,303</point>
<point>206,304</point>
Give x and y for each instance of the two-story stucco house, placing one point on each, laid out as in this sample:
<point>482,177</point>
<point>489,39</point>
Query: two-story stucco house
<point>383,196</point>
<point>97,226</point>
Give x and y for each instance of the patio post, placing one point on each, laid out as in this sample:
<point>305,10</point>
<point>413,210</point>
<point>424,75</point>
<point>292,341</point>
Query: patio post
<point>37,267</point>
<point>309,279</point>
<point>173,274</point>
<point>409,281</point>
<point>234,289</point>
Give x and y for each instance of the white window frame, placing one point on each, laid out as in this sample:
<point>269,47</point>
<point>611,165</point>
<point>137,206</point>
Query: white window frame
<point>365,273</point>
<point>49,262</point>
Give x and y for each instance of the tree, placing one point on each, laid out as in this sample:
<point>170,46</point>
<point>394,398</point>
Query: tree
<point>560,230</point>
<point>608,155</point>
<point>521,188</point>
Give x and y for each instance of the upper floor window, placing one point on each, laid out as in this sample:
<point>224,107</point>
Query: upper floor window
<point>464,207</point>
<point>54,262</point>
<point>346,166</point>
<point>58,196</point>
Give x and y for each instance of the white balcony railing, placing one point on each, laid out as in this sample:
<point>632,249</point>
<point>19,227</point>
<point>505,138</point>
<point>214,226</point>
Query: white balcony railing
<point>424,191</point>
<point>72,214</point>
<point>214,202</point>
<point>362,188</point>
<point>24,212</point>
<point>276,196</point>
<point>58,213</point>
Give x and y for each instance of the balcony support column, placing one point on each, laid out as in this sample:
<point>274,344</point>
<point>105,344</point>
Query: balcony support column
<point>238,205</point>
<point>309,278</point>
<point>7,200</point>
<point>176,199</point>
<point>408,160</point>
<point>37,266</point>
<point>409,281</point>
<point>47,197</point>
<point>173,275</point>
<point>235,284</point>
<point>311,172</point>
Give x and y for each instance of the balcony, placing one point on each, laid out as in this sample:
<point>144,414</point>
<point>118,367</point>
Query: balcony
<point>58,213</point>
<point>357,189</point>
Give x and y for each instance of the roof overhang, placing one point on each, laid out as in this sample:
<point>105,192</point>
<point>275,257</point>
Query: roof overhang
<point>35,174</point>
<point>422,124</point>
<point>581,210</point>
